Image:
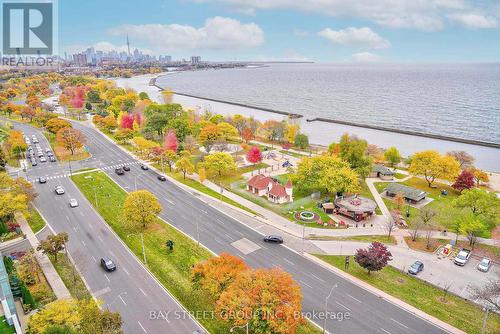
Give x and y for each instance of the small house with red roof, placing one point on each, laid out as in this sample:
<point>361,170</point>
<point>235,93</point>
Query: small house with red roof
<point>275,192</point>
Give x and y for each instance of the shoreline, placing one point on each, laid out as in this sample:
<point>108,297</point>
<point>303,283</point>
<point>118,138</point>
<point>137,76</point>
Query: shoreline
<point>323,133</point>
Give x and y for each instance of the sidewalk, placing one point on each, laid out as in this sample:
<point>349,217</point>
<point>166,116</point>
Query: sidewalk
<point>48,269</point>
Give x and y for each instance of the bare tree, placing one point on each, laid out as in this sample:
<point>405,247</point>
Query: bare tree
<point>390,224</point>
<point>464,159</point>
<point>415,231</point>
<point>446,289</point>
<point>489,293</point>
<point>425,217</point>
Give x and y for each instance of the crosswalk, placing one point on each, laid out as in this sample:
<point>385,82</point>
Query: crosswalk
<point>64,175</point>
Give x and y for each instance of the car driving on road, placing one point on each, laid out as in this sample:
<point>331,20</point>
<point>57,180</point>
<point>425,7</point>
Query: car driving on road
<point>52,158</point>
<point>107,264</point>
<point>119,171</point>
<point>162,178</point>
<point>144,167</point>
<point>273,238</point>
<point>126,168</point>
<point>59,190</point>
<point>73,203</point>
<point>43,159</point>
<point>42,180</point>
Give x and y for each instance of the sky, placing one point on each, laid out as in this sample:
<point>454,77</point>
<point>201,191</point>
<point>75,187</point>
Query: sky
<point>374,31</point>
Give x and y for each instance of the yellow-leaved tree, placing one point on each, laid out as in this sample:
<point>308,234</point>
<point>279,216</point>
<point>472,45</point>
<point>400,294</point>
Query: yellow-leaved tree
<point>141,208</point>
<point>432,165</point>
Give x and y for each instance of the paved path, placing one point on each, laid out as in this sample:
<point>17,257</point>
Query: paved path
<point>48,269</point>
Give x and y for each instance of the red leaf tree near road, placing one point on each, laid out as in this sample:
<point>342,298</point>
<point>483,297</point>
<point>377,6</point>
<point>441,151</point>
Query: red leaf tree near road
<point>254,155</point>
<point>171,143</point>
<point>374,258</point>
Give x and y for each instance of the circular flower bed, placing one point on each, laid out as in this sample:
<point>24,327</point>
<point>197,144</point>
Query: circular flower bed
<point>306,216</point>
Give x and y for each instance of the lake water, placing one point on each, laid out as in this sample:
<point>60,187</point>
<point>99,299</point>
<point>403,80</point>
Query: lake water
<point>454,100</point>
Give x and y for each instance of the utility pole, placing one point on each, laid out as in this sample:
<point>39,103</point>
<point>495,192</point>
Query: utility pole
<point>483,331</point>
<point>326,307</point>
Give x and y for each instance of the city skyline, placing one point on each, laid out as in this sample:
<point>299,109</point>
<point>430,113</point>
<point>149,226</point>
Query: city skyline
<point>330,31</point>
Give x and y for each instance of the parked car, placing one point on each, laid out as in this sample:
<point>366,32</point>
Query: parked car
<point>416,267</point>
<point>162,178</point>
<point>52,158</point>
<point>273,238</point>
<point>144,167</point>
<point>49,153</point>
<point>59,190</point>
<point>119,171</point>
<point>40,154</point>
<point>73,203</point>
<point>107,264</point>
<point>33,162</point>
<point>43,159</point>
<point>126,168</point>
<point>287,164</point>
<point>462,257</point>
<point>42,180</point>
<point>484,265</point>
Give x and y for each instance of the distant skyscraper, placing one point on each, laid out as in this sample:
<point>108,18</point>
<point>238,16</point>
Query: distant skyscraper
<point>128,46</point>
<point>195,60</point>
<point>80,59</point>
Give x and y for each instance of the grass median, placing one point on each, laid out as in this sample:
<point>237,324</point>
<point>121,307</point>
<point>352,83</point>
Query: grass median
<point>454,310</point>
<point>172,269</point>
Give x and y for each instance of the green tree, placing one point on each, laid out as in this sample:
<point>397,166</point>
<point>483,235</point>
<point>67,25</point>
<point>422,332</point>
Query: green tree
<point>53,244</point>
<point>141,208</point>
<point>88,106</point>
<point>93,96</point>
<point>220,163</point>
<point>301,141</point>
<point>480,202</point>
<point>181,127</point>
<point>392,156</point>
<point>353,150</point>
<point>472,226</point>
<point>144,96</point>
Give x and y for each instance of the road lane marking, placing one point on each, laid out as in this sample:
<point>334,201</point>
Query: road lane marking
<point>99,237</point>
<point>170,202</point>
<point>399,323</point>
<point>356,299</point>
<point>143,292</point>
<point>120,296</point>
<point>141,326</point>
<point>126,272</point>
<point>93,258</point>
<point>107,277</point>
<point>74,228</point>
<point>83,243</point>
<point>220,221</point>
<point>383,330</point>
<point>289,262</point>
<point>316,277</point>
<point>112,254</point>
<point>306,284</point>
<point>348,309</point>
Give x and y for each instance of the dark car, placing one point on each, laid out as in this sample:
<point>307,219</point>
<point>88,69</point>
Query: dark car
<point>287,164</point>
<point>119,171</point>
<point>144,167</point>
<point>42,180</point>
<point>126,168</point>
<point>52,159</point>
<point>416,267</point>
<point>162,178</point>
<point>107,264</point>
<point>273,238</point>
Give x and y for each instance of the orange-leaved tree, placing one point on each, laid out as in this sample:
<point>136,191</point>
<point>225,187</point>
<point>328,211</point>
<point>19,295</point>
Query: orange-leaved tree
<point>71,139</point>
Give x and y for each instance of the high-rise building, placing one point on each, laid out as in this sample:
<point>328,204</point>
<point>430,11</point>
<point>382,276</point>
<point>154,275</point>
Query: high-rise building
<point>195,60</point>
<point>80,59</point>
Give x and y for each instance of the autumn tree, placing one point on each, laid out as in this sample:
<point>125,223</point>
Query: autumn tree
<point>144,145</point>
<point>217,273</point>
<point>54,244</point>
<point>27,112</point>
<point>464,181</point>
<point>71,139</point>
<point>374,258</point>
<point>291,132</point>
<point>202,174</point>
<point>56,124</point>
<point>480,176</point>
<point>240,123</point>
<point>392,156</point>
<point>267,299</point>
<point>247,134</point>
<point>227,130</point>
<point>141,208</point>
<point>170,142</point>
<point>62,312</point>
<point>399,200</point>
<point>15,143</point>
<point>219,163</point>
<point>184,165</point>
<point>254,155</point>
<point>353,150</point>
<point>209,134</point>
<point>301,141</point>
<point>432,165</point>
<point>169,158</point>
<point>465,160</point>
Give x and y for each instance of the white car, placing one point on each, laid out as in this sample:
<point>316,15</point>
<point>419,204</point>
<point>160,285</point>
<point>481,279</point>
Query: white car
<point>59,190</point>
<point>73,203</point>
<point>462,257</point>
<point>484,265</point>
<point>43,159</point>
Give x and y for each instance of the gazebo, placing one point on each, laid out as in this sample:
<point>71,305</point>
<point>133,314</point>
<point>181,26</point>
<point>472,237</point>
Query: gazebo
<point>355,207</point>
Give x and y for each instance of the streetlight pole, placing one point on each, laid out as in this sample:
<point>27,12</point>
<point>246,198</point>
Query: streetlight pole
<point>326,307</point>
<point>303,237</point>
<point>483,330</point>
<point>142,244</point>
<point>197,232</point>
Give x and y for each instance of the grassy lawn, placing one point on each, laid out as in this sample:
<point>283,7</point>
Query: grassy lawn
<point>35,221</point>
<point>247,169</point>
<point>294,154</point>
<point>172,269</point>
<point>479,249</point>
<point>400,176</point>
<point>61,153</point>
<point>71,278</point>
<point>363,238</point>
<point>5,328</point>
<point>452,309</point>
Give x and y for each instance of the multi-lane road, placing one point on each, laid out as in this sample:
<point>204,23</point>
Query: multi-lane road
<point>133,293</point>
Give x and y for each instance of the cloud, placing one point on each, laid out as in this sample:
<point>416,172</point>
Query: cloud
<point>361,37</point>
<point>218,33</point>
<point>300,33</point>
<point>366,57</point>
<point>426,15</point>
<point>474,21</point>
